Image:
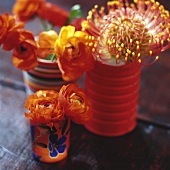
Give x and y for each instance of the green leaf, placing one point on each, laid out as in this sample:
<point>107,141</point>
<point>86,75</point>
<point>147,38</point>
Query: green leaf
<point>46,26</point>
<point>51,57</point>
<point>75,12</point>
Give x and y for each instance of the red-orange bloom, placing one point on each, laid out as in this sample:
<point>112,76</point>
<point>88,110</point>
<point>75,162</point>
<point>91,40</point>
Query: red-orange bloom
<point>53,14</point>
<point>75,61</point>
<point>43,108</point>
<point>24,55</point>
<point>9,31</point>
<point>26,9</point>
<point>3,27</point>
<point>75,103</point>
<point>48,106</point>
<point>11,40</point>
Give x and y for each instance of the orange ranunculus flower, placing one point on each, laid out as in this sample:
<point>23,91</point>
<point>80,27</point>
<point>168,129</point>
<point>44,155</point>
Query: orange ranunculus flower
<point>4,24</point>
<point>43,108</point>
<point>9,30</point>
<point>11,40</point>
<point>46,41</point>
<point>75,103</point>
<point>24,54</point>
<point>3,27</point>
<point>53,14</point>
<point>26,9</point>
<point>74,51</point>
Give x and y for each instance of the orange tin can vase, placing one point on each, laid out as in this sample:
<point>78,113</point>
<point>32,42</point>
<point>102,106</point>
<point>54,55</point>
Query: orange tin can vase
<point>113,91</point>
<point>51,145</point>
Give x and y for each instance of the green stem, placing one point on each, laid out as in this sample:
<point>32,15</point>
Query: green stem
<point>43,24</point>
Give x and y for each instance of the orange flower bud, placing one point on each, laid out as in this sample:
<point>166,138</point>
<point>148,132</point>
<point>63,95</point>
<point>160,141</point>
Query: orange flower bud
<point>53,14</point>
<point>26,9</point>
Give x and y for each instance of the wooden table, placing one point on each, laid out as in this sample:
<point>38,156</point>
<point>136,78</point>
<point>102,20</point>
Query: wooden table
<point>146,148</point>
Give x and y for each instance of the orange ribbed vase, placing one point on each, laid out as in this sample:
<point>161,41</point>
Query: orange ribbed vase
<point>113,91</point>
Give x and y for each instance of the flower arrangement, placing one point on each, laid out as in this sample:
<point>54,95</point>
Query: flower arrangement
<point>71,48</point>
<point>50,15</point>
<point>130,32</point>
<point>50,113</point>
<point>133,32</point>
<point>126,36</point>
<point>48,106</point>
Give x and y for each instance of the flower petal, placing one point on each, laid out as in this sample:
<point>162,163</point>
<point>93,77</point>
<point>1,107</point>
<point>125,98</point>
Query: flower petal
<point>53,138</point>
<point>61,140</point>
<point>61,148</point>
<point>54,153</point>
<point>65,33</point>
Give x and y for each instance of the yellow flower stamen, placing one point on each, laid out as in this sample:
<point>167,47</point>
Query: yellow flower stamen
<point>100,51</point>
<point>150,52</point>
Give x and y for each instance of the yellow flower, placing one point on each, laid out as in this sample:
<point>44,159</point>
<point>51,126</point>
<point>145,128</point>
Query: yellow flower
<point>46,41</point>
<point>74,51</point>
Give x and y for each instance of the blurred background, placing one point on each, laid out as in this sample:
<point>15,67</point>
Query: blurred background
<point>6,5</point>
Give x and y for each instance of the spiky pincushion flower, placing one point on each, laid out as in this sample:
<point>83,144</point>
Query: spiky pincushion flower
<point>129,32</point>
